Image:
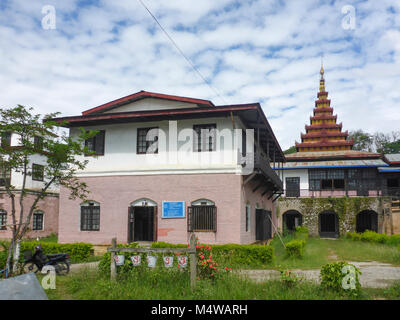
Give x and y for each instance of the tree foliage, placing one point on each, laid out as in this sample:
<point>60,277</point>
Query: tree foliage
<point>60,156</point>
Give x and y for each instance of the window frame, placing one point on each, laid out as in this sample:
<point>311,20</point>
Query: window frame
<point>292,192</point>
<point>209,224</point>
<point>248,218</point>
<point>146,143</point>
<point>35,222</point>
<point>3,220</point>
<point>88,219</point>
<point>36,166</point>
<point>198,141</point>
<point>94,152</point>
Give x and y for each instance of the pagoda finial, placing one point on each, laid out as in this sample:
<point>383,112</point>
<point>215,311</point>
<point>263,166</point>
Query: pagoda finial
<point>322,81</point>
<point>322,68</point>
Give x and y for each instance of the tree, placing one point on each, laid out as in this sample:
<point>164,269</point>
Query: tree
<point>387,143</point>
<point>363,141</point>
<point>292,149</point>
<point>61,154</point>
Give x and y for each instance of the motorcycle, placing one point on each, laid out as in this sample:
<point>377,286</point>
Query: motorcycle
<point>36,261</point>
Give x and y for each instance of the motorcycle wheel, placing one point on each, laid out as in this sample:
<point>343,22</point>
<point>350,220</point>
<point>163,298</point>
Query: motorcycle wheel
<point>62,268</point>
<point>30,267</point>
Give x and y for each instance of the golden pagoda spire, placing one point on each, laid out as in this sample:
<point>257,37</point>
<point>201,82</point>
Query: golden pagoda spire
<point>322,81</point>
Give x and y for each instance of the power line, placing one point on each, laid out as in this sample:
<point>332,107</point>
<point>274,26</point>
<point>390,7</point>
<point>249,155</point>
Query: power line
<point>181,52</point>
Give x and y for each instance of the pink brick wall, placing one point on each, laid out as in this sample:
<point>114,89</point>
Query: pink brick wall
<point>117,192</point>
<point>256,200</point>
<point>48,205</point>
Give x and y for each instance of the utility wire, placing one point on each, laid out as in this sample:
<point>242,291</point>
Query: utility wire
<point>181,52</point>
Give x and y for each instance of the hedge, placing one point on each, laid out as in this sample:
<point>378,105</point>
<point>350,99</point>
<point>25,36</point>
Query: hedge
<point>227,254</point>
<point>78,252</point>
<point>295,248</point>
<point>374,237</point>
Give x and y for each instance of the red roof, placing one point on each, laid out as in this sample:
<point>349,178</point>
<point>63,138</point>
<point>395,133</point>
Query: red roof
<point>324,134</point>
<point>145,94</point>
<point>322,101</point>
<point>325,143</point>
<point>324,126</point>
<point>324,117</point>
<point>323,109</point>
<point>322,93</point>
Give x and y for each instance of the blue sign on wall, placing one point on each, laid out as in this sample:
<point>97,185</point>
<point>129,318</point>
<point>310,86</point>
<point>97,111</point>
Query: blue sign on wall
<point>173,209</point>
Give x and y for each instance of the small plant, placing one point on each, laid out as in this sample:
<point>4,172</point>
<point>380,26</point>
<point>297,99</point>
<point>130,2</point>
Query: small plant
<point>288,278</point>
<point>207,268</point>
<point>301,232</point>
<point>295,248</point>
<point>341,277</point>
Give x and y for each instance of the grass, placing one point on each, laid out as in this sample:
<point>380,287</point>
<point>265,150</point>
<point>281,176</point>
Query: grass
<point>174,285</point>
<point>322,251</point>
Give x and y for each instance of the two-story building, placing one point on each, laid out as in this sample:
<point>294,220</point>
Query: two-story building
<point>165,167</point>
<point>45,218</point>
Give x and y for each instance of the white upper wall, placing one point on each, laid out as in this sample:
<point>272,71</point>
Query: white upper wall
<point>175,153</point>
<point>149,104</point>
<point>301,173</point>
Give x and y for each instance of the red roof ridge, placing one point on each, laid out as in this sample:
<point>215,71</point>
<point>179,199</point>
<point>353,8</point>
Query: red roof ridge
<point>145,94</point>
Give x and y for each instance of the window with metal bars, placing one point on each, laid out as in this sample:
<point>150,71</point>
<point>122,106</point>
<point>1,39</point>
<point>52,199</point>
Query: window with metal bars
<point>95,145</point>
<point>90,217</point>
<point>5,177</point>
<point>293,187</point>
<point>3,220</point>
<point>38,220</point>
<point>5,139</point>
<point>147,140</point>
<point>202,218</point>
<point>37,172</point>
<point>204,137</point>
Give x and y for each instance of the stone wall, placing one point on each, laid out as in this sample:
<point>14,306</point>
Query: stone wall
<point>345,207</point>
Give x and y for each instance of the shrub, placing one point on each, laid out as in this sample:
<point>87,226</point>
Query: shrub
<point>78,252</point>
<point>301,232</point>
<point>341,277</point>
<point>288,278</point>
<point>295,248</point>
<point>227,254</point>
<point>371,236</point>
<point>248,255</point>
<point>394,240</point>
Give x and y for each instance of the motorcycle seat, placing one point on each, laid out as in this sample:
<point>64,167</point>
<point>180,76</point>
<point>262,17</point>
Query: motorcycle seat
<point>56,256</point>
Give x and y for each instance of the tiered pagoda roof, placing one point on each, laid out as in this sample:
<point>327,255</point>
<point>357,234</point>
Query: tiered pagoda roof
<point>323,133</point>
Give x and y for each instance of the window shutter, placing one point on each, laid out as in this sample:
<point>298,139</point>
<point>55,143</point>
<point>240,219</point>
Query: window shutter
<point>100,142</point>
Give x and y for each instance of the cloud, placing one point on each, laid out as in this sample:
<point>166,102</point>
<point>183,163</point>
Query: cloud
<point>249,51</point>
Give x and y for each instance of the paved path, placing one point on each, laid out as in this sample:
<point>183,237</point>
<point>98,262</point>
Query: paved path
<point>374,274</point>
<point>76,266</point>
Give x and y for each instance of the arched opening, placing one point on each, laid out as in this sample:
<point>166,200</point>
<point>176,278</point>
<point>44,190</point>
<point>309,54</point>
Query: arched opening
<point>142,220</point>
<point>328,224</point>
<point>291,220</point>
<point>202,216</point>
<point>90,216</point>
<point>367,220</point>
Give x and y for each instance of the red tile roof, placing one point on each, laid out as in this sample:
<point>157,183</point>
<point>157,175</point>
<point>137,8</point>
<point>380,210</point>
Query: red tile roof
<point>141,95</point>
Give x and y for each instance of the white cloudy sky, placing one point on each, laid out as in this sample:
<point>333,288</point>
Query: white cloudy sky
<point>250,51</point>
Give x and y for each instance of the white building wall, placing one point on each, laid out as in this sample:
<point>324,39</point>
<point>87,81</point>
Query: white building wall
<point>120,155</point>
<point>301,173</point>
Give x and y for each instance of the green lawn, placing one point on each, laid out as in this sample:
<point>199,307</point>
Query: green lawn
<point>322,251</point>
<point>89,285</point>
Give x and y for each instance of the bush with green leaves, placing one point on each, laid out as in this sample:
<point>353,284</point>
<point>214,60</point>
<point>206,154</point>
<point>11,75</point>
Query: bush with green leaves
<point>295,248</point>
<point>301,232</point>
<point>78,252</point>
<point>374,237</point>
<point>341,277</point>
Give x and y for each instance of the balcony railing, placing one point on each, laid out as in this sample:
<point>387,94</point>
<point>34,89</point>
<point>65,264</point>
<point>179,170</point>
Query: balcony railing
<point>306,193</point>
<point>256,162</point>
